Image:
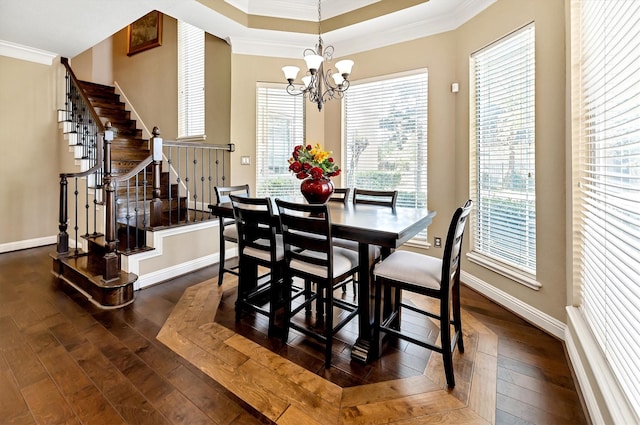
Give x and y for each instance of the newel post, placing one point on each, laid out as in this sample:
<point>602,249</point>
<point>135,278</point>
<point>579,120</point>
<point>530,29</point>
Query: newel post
<point>112,266</point>
<point>156,202</point>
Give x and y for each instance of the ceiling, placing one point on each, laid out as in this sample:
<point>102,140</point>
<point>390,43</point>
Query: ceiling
<point>280,28</point>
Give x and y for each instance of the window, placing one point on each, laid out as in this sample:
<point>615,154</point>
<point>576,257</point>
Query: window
<point>190,81</point>
<point>502,156</point>
<point>280,127</point>
<point>606,189</point>
<point>386,137</point>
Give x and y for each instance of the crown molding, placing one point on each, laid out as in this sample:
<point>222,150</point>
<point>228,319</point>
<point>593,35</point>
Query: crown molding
<point>369,35</point>
<point>295,9</point>
<point>26,53</point>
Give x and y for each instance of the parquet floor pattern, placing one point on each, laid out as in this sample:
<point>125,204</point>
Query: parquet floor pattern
<point>289,394</point>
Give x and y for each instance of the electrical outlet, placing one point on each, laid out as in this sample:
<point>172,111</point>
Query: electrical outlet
<point>437,242</point>
<point>245,160</point>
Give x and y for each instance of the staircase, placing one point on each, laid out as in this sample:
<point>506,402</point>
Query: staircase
<point>127,193</point>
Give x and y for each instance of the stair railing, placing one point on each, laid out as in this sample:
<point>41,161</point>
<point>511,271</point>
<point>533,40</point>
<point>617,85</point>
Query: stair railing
<point>194,169</point>
<point>173,186</point>
<point>134,202</point>
<point>84,126</point>
<point>62,246</point>
<point>81,120</point>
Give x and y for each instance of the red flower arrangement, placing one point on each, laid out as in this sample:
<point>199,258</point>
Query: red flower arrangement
<point>312,161</point>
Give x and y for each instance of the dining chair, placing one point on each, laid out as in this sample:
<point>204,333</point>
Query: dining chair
<point>431,277</point>
<point>311,256</point>
<point>341,194</point>
<point>228,230</point>
<point>386,198</point>
<point>259,244</point>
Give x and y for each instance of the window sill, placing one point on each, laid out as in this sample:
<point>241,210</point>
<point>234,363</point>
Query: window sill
<point>519,276</point>
<point>418,243</point>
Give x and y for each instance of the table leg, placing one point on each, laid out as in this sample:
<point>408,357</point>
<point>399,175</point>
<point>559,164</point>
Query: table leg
<point>362,349</point>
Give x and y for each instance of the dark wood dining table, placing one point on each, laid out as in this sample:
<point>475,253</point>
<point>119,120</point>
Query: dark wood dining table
<point>368,225</point>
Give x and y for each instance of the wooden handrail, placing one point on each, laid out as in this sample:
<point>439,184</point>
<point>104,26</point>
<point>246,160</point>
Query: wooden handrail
<point>96,167</point>
<point>231,147</point>
<point>92,111</point>
<point>131,173</point>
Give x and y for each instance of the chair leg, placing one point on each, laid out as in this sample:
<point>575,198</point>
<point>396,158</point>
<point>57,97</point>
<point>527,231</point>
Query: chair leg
<point>377,312</point>
<point>222,259</point>
<point>457,319</point>
<point>307,295</point>
<point>328,301</point>
<point>275,298</point>
<point>287,284</point>
<point>321,301</point>
<point>445,340</point>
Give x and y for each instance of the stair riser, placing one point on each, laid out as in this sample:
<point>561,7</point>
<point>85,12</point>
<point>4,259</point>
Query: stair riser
<point>103,294</point>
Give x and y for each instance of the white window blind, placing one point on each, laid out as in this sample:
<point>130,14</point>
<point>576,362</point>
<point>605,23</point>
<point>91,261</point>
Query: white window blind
<point>190,80</point>
<point>280,127</point>
<point>606,157</point>
<point>502,146</point>
<point>385,124</point>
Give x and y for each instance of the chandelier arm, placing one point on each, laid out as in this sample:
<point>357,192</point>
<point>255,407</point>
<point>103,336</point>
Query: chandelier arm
<point>292,90</point>
<point>320,86</point>
<point>327,53</point>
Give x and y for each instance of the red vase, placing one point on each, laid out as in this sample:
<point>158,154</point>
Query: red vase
<point>316,191</point>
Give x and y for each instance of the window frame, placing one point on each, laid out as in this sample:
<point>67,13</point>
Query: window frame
<point>517,270</point>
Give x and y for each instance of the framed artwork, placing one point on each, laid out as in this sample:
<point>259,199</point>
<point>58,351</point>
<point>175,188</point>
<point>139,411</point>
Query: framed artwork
<point>145,33</point>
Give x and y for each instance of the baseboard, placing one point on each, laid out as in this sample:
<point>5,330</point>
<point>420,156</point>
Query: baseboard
<point>175,271</point>
<point>536,317</point>
<point>132,263</point>
<point>29,243</point>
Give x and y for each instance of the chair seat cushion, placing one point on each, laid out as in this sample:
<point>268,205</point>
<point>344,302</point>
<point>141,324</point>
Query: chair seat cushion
<point>265,255</point>
<point>410,267</point>
<point>374,250</point>
<point>230,233</point>
<point>343,261</point>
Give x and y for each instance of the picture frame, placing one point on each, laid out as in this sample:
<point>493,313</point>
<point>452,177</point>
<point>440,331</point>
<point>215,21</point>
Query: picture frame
<point>145,33</point>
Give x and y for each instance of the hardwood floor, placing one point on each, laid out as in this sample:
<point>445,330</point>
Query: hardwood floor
<point>64,361</point>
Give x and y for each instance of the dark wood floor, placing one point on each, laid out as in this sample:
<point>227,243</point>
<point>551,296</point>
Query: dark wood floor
<point>64,361</point>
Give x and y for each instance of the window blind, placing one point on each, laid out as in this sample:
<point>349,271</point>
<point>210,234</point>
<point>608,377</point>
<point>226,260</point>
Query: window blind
<point>280,127</point>
<point>606,197</point>
<point>385,133</point>
<point>503,151</point>
<point>190,80</point>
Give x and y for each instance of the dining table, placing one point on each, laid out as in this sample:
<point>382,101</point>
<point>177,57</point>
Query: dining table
<point>368,225</point>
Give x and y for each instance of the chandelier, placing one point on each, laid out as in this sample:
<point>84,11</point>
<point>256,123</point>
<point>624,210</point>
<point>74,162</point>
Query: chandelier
<point>317,85</point>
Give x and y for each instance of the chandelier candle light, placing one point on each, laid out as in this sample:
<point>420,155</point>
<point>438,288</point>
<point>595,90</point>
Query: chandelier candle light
<point>315,167</point>
<point>317,85</point>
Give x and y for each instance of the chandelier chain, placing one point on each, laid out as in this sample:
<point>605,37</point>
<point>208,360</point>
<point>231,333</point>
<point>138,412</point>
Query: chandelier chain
<point>320,20</point>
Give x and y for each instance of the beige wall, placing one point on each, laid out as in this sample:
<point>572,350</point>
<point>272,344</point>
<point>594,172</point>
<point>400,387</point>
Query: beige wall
<point>29,150</point>
<point>149,79</point>
<point>446,56</point>
<point>498,20</point>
